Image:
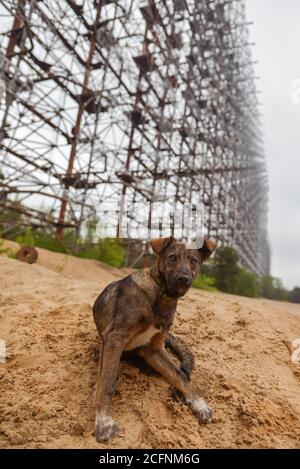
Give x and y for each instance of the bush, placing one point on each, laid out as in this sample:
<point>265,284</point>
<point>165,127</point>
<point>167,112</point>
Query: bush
<point>10,221</point>
<point>42,239</point>
<point>226,269</point>
<point>7,251</point>
<point>294,295</point>
<point>204,282</point>
<point>230,277</point>
<point>272,288</point>
<point>112,251</point>
<point>26,239</point>
<point>108,250</point>
<point>247,284</point>
<point>267,289</point>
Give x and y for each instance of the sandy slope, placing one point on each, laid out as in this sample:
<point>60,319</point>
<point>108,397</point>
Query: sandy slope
<point>243,366</point>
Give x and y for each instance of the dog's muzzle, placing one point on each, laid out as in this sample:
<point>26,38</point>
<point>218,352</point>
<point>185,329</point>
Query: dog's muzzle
<point>183,280</point>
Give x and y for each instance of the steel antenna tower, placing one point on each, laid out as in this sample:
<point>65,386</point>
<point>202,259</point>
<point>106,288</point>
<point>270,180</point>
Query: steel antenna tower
<point>154,100</point>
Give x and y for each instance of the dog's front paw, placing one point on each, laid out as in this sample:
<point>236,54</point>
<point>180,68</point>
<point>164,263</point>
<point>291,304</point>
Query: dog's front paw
<point>202,410</point>
<point>177,396</point>
<point>106,428</point>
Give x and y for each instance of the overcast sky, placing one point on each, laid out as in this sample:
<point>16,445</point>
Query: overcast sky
<point>276,33</point>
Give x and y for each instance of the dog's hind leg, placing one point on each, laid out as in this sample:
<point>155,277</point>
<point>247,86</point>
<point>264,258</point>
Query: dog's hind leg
<point>111,349</point>
<point>156,355</point>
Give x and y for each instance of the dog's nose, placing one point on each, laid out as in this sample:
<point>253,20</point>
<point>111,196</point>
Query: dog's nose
<point>184,279</point>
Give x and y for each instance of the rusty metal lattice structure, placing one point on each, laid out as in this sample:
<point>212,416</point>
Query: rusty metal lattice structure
<point>152,100</point>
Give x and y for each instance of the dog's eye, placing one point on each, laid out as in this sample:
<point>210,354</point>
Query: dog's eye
<point>172,258</point>
<point>194,261</point>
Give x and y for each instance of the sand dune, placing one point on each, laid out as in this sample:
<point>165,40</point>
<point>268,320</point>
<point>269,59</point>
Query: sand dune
<point>243,366</point>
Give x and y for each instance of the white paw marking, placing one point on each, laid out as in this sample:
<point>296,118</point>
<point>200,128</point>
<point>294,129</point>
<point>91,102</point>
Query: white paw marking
<point>296,353</point>
<point>2,351</point>
<point>105,428</point>
<point>103,419</point>
<point>201,409</point>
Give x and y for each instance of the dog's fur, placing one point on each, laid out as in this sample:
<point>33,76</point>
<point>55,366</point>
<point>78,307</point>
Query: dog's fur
<point>136,313</point>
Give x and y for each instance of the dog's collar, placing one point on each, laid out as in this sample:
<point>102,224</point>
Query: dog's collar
<point>160,282</point>
<point>157,277</point>
<point>165,296</point>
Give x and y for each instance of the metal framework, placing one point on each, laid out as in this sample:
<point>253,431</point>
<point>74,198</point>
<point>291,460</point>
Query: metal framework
<point>153,100</point>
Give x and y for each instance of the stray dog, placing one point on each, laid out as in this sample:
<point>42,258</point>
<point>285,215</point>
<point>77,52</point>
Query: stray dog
<point>136,313</point>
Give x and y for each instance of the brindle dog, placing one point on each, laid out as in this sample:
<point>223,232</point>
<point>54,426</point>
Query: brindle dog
<point>136,313</point>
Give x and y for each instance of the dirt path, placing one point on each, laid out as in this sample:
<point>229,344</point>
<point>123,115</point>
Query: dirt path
<point>243,366</point>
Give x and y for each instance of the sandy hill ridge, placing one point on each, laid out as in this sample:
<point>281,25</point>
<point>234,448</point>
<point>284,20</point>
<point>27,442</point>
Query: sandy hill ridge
<point>243,365</point>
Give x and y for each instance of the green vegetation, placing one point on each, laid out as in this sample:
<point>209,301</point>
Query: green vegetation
<point>6,251</point>
<point>226,269</point>
<point>205,283</point>
<point>232,278</point>
<point>247,284</point>
<point>10,221</point>
<point>225,273</point>
<point>108,250</point>
<point>273,289</point>
<point>294,295</point>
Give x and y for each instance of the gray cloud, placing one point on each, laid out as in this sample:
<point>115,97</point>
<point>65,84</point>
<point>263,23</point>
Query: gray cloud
<point>276,33</point>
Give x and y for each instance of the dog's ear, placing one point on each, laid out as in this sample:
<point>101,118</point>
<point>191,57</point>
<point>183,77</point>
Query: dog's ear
<point>160,244</point>
<point>207,249</point>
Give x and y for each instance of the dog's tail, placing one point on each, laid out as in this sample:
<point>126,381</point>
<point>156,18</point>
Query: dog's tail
<point>183,353</point>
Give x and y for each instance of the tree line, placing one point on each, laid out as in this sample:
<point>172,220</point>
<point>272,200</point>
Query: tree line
<point>226,274</point>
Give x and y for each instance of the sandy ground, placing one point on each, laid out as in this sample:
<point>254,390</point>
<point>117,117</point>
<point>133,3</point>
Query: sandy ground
<point>243,366</point>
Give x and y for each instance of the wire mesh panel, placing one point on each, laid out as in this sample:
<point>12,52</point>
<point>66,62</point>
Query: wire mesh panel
<point>150,101</point>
